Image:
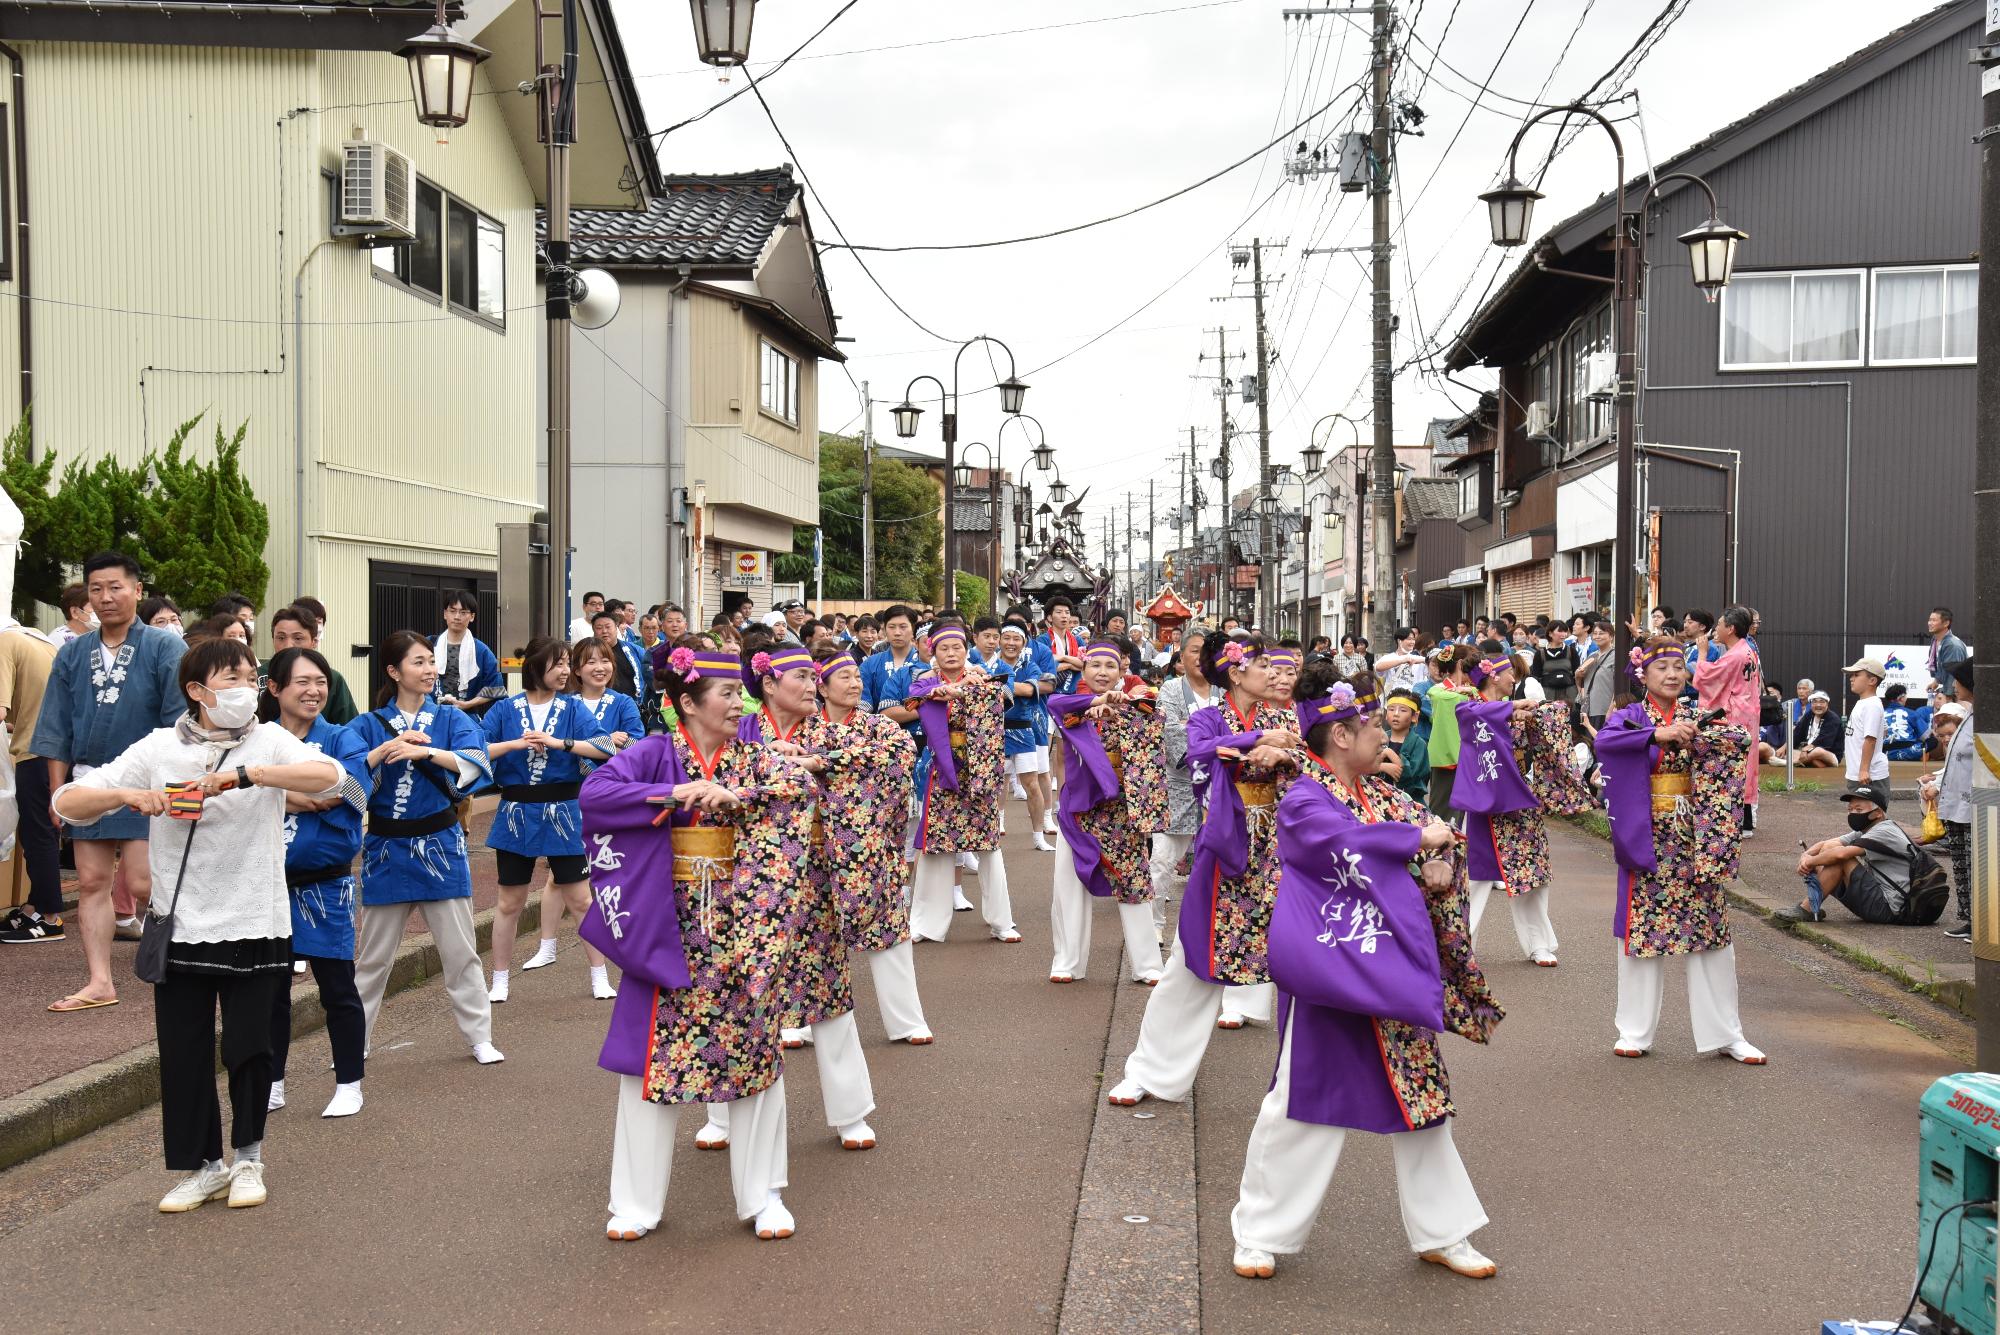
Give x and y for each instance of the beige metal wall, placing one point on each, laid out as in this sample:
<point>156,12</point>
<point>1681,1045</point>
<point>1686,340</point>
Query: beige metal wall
<point>747,456</point>
<point>176,200</point>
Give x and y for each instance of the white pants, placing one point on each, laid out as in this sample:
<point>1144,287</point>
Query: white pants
<point>642,1152</point>
<point>1711,988</point>
<point>450,923</point>
<point>843,1076</point>
<point>895,973</point>
<point>1168,886</point>
<point>1069,925</point>
<point>930,894</point>
<point>1531,916</point>
<point>1290,1165</point>
<point>1179,1021</point>
<point>1258,1001</point>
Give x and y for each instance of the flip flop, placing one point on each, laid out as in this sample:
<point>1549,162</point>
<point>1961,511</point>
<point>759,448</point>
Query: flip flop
<point>78,1002</point>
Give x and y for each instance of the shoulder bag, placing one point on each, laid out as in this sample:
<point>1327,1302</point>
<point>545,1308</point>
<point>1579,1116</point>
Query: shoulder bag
<point>150,961</point>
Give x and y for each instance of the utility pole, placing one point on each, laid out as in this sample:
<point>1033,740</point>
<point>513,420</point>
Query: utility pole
<point>1181,529</point>
<point>1985,564</point>
<point>1267,573</point>
<point>556,72</point>
<point>1220,592</point>
<point>1383,471</point>
<point>1152,528</point>
<point>1130,586</point>
<point>867,493</point>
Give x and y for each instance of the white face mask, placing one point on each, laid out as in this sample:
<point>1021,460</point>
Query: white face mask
<point>234,706</point>
<point>250,629</point>
<point>175,629</point>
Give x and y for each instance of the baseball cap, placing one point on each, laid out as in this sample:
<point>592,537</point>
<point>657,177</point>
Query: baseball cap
<point>1872,666</point>
<point>1867,792</point>
<point>1951,710</point>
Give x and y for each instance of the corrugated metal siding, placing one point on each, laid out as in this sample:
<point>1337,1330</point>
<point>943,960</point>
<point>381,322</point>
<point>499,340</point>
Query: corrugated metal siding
<point>1526,591</point>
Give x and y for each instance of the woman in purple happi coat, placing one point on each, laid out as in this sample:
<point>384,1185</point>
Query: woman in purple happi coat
<point>694,840</point>
<point>1373,961</point>
<point>1513,765</point>
<point>815,986</point>
<point>1114,799</point>
<point>1251,745</point>
<point>1673,787</point>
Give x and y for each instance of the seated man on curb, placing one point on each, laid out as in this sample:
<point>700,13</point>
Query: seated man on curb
<point>1867,869</point>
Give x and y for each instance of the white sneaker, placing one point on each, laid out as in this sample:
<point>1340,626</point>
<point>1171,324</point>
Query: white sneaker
<point>602,988</point>
<point>346,1101</point>
<point>1745,1053</point>
<point>1254,1264</point>
<point>959,903</point>
<point>774,1220</point>
<point>1007,934</point>
<point>498,992</point>
<point>795,1038</point>
<point>1461,1258</point>
<point>1127,1094</point>
<point>545,955</point>
<point>857,1136</point>
<point>208,1184</point>
<point>969,861</point>
<point>1042,843</point>
<point>298,968</point>
<point>246,1184</point>
<point>486,1054</point>
<point>277,1099</point>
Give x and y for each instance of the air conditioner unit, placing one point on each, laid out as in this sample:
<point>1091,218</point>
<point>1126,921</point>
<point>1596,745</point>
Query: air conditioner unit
<point>1538,421</point>
<point>377,189</point>
<point>1600,377</point>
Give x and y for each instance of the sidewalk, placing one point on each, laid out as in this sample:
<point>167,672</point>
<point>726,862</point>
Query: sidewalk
<point>68,1074</point>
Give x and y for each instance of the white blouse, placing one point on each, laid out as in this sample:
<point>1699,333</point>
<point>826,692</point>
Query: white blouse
<point>234,888</point>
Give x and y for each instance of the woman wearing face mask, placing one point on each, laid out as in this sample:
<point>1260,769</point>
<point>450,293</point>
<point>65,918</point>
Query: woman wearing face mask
<point>537,740</point>
<point>423,757</point>
<point>1241,756</point>
<point>322,835</point>
<point>160,611</point>
<point>230,947</point>
<point>1113,804</point>
<point>695,847</point>
<point>1673,789</point>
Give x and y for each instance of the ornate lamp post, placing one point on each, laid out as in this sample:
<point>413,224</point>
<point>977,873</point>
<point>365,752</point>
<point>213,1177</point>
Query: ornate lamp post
<point>441,66</point>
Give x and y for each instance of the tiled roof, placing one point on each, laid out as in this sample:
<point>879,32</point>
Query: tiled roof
<point>704,221</point>
<point>1430,498</point>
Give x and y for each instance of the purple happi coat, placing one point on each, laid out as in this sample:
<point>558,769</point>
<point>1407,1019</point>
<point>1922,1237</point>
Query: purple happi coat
<point>818,984</point>
<point>1225,917</point>
<point>697,1015</point>
<point>864,801</point>
<point>1515,844</point>
<point>961,792</point>
<point>1109,814</point>
<point>1371,964</point>
<point>1489,784</point>
<point>1672,867</point>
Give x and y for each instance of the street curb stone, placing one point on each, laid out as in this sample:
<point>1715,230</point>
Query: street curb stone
<point>58,1111</point>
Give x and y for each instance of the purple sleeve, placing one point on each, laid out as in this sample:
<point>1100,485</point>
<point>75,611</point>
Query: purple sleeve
<point>1626,753</point>
<point>1207,730</point>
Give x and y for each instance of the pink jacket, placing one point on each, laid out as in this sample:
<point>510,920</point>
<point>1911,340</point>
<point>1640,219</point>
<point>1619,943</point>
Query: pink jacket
<point>1734,683</point>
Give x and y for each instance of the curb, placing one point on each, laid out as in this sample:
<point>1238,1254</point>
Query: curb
<point>1956,994</point>
<point>68,1107</point>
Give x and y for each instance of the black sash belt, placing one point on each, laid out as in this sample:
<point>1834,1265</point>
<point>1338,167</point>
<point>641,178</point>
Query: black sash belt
<point>540,792</point>
<point>314,875</point>
<point>386,827</point>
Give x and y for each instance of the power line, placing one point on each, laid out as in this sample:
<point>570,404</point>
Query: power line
<point>714,107</point>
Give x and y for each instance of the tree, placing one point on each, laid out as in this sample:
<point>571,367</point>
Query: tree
<point>975,595</point>
<point>908,528</point>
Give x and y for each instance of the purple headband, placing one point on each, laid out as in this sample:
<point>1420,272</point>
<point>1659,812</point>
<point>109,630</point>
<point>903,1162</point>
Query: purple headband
<point>1282,658</point>
<point>1104,649</point>
<point>1336,706</point>
<point>1486,667</point>
<point>948,633</point>
<point>781,662</point>
<point>693,664</point>
<point>835,664</point>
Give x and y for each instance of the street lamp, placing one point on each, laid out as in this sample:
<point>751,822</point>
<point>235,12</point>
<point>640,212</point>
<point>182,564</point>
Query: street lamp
<point>1712,253</point>
<point>1012,392</point>
<point>722,30</point>
<point>1059,491</point>
<point>1356,574</point>
<point>441,66</point>
<point>1044,456</point>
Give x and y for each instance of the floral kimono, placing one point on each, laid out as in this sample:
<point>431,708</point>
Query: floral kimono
<point>708,933</point>
<point>864,801</point>
<point>1541,750</point>
<point>816,984</point>
<point>961,769</point>
<point>1369,1071</point>
<point>1233,872</point>
<point>1114,799</point>
<point>1674,828</point>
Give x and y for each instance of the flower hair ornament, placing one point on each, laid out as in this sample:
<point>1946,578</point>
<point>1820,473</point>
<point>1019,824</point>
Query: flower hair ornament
<point>705,663</point>
<point>1232,654</point>
<point>1487,667</point>
<point>1338,705</point>
<point>681,660</point>
<point>760,663</point>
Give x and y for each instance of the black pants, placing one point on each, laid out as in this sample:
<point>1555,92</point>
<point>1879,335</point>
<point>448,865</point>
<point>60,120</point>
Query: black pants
<point>39,846</point>
<point>346,1022</point>
<point>184,1008</point>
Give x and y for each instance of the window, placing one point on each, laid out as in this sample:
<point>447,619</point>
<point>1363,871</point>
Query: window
<point>1585,419</point>
<point>1924,315</point>
<point>459,253</point>
<point>781,384</point>
<point>1468,492</point>
<point>1810,318</point>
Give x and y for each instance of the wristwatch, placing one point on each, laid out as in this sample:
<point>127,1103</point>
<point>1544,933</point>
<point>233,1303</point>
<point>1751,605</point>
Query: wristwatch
<point>243,777</point>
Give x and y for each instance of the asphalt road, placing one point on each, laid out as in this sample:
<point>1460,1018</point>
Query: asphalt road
<point>1669,1193</point>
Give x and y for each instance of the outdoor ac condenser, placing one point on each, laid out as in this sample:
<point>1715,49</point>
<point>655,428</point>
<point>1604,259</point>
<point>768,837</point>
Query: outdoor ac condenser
<point>1536,420</point>
<point>377,189</point>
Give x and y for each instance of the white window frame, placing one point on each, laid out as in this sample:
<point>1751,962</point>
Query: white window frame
<point>789,414</point>
<point>1943,271</point>
<point>1474,476</point>
<point>1724,366</point>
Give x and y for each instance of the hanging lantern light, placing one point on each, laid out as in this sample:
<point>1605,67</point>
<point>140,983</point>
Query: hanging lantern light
<point>1712,255</point>
<point>1059,491</point>
<point>1045,456</point>
<point>961,475</point>
<point>1012,391</point>
<point>722,30</point>
<point>1312,457</point>
<point>441,66</point>
<point>907,414</point>
<point>1510,209</point>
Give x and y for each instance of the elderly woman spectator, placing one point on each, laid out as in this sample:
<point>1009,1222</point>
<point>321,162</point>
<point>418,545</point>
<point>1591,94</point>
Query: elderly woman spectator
<point>227,911</point>
<point>1951,789</point>
<point>1818,735</point>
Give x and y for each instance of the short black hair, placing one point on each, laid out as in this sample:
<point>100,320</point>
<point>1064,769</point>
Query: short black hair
<point>604,615</point>
<point>1700,616</point>
<point>151,607</point>
<point>279,675</point>
<point>543,652</point>
<point>464,598</point>
<point>207,657</point>
<point>592,594</point>
<point>1059,601</point>
<point>865,620</point>
<point>1895,692</point>
<point>298,614</point>
<point>111,561</point>
<point>313,605</point>
<point>1666,612</point>
<point>899,610</point>
<point>1942,612</point>
<point>614,604</point>
<point>985,623</point>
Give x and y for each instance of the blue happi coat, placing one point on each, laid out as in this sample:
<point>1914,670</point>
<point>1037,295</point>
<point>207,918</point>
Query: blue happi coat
<point>399,869</point>
<point>91,714</point>
<point>1027,716</point>
<point>485,683</point>
<point>538,828</point>
<point>613,711</point>
<point>323,909</point>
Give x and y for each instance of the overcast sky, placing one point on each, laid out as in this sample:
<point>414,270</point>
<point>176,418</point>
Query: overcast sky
<point>920,122</point>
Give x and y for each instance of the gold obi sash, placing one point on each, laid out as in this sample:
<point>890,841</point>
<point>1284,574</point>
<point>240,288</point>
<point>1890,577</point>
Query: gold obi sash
<point>1257,794</point>
<point>1117,759</point>
<point>1260,807</point>
<point>701,852</point>
<point>819,829</point>
<point>1669,789</point>
<point>957,741</point>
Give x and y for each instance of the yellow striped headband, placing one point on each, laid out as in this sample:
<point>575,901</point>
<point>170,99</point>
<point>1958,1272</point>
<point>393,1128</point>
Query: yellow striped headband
<point>1336,706</point>
<point>694,664</point>
<point>1641,659</point>
<point>948,633</point>
<point>1104,649</point>
<point>783,661</point>
<point>835,664</point>
<point>1278,658</point>
<point>1487,667</point>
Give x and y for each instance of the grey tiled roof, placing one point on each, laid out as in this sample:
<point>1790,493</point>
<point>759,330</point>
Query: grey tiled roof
<point>722,220</point>
<point>1430,498</point>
